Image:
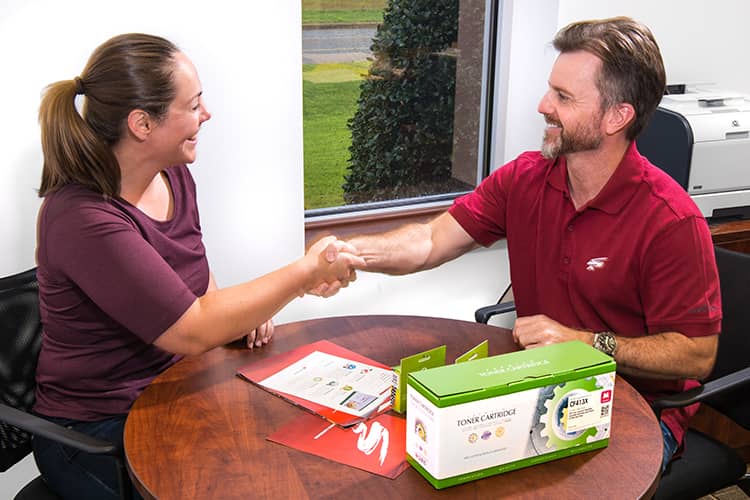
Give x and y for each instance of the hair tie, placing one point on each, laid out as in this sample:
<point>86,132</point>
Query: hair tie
<point>79,86</point>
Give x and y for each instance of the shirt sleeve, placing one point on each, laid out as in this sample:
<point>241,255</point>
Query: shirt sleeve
<point>482,213</point>
<point>680,280</point>
<point>104,254</point>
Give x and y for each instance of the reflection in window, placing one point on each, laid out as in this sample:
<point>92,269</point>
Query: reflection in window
<point>393,101</point>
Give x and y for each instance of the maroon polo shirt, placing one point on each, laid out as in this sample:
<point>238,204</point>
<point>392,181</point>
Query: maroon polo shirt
<point>636,260</point>
<point>111,280</point>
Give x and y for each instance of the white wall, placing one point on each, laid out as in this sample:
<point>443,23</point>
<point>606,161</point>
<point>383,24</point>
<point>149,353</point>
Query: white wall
<point>248,169</point>
<point>700,40</point>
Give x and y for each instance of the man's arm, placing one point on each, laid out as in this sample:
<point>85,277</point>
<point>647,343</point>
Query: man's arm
<point>669,355</point>
<point>414,247</point>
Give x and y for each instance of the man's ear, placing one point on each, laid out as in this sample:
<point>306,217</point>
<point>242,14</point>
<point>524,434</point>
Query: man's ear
<point>140,124</point>
<point>619,117</point>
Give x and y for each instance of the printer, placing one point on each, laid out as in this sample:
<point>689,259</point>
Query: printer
<point>701,137</point>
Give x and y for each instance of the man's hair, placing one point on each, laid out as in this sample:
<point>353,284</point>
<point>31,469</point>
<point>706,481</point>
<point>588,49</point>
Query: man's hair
<point>632,69</point>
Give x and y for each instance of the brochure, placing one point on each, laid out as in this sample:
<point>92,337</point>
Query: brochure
<point>338,384</point>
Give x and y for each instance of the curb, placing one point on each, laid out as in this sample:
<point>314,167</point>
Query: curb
<point>334,26</point>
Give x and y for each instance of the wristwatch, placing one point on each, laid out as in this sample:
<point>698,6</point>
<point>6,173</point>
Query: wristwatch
<point>605,342</point>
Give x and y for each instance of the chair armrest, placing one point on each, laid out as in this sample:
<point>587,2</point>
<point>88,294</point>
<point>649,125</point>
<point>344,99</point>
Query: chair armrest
<point>483,314</point>
<point>69,437</point>
<point>703,392</point>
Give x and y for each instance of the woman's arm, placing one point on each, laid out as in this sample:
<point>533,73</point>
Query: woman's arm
<point>223,315</point>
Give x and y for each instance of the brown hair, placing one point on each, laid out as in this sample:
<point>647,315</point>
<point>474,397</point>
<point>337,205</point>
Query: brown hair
<point>632,68</point>
<point>127,72</point>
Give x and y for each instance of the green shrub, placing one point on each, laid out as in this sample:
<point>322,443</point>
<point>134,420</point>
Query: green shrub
<point>402,131</point>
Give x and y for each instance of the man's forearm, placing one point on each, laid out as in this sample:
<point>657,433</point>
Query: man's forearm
<point>414,247</point>
<point>401,251</point>
<point>667,355</point>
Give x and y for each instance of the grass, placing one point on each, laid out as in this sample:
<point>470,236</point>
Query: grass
<point>329,101</point>
<point>342,11</point>
<point>342,16</point>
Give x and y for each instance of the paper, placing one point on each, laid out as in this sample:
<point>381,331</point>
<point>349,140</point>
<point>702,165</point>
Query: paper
<point>377,445</point>
<point>342,384</point>
<point>338,384</point>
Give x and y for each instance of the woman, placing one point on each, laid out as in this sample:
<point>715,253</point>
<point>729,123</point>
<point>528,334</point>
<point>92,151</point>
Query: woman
<point>124,284</point>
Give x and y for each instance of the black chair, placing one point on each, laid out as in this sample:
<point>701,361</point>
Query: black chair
<point>20,340</point>
<point>708,465</point>
<point>504,304</point>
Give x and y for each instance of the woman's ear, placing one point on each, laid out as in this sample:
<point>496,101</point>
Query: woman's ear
<point>619,117</point>
<point>140,124</point>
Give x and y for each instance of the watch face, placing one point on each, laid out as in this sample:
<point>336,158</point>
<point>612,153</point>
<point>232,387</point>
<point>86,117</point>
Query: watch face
<point>606,343</point>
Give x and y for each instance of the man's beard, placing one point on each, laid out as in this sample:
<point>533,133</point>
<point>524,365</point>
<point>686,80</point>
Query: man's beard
<point>582,138</point>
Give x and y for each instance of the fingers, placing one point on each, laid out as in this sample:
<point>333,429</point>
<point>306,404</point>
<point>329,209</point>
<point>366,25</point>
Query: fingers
<point>331,253</point>
<point>250,338</point>
<point>345,246</point>
<point>319,290</point>
<point>261,335</point>
<point>326,290</point>
<point>337,262</point>
<point>270,328</point>
<point>539,330</point>
<point>352,260</point>
<point>342,250</point>
<point>321,244</point>
<point>260,338</point>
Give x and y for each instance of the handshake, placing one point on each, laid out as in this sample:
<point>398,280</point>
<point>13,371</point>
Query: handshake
<point>335,264</point>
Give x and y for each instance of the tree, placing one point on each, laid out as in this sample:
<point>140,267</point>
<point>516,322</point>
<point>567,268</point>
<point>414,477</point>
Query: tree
<point>402,131</point>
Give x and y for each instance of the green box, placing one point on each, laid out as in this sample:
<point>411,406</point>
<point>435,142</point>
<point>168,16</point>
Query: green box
<point>492,415</point>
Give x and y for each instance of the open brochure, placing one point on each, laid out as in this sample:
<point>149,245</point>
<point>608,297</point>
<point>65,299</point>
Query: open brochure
<point>338,384</point>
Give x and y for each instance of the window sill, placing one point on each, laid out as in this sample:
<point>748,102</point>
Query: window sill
<point>346,226</point>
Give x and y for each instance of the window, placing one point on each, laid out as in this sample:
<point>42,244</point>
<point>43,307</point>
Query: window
<point>396,101</point>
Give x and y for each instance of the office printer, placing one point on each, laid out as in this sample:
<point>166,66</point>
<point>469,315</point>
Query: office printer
<point>701,137</point>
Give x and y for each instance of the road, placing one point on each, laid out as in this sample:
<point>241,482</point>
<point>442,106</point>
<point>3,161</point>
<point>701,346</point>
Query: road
<point>336,45</point>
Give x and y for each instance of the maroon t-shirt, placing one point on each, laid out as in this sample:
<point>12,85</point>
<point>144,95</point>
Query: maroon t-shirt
<point>111,280</point>
<point>636,260</point>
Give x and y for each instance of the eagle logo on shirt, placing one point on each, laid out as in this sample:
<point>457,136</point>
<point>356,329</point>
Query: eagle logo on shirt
<point>596,263</point>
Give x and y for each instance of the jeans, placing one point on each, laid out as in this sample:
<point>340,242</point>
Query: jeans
<point>670,445</point>
<point>75,474</point>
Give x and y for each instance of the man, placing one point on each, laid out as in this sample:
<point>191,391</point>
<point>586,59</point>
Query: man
<point>604,247</point>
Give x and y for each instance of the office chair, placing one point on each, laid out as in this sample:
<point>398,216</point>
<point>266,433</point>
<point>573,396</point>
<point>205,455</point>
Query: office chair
<point>504,304</point>
<point>20,340</point>
<point>706,464</point>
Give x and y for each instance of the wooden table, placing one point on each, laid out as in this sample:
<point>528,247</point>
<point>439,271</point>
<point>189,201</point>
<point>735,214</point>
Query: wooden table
<point>199,431</point>
<point>733,235</point>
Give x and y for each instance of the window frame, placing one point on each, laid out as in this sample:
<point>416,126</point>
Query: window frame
<point>346,220</point>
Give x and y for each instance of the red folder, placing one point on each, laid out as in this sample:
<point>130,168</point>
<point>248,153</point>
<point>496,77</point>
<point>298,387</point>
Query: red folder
<point>377,445</point>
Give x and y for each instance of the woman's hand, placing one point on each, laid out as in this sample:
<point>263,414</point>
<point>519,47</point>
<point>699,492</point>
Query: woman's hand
<point>261,335</point>
<point>336,261</point>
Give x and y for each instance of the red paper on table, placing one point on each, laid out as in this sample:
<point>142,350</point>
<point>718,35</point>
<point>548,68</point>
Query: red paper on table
<point>377,445</point>
<point>348,402</point>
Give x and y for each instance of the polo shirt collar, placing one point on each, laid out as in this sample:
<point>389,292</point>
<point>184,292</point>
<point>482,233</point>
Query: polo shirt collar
<point>618,190</point>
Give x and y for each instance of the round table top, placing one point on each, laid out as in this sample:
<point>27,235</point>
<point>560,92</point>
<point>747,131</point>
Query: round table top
<point>199,430</point>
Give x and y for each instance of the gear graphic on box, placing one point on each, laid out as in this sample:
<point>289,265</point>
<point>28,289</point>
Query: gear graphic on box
<point>548,431</point>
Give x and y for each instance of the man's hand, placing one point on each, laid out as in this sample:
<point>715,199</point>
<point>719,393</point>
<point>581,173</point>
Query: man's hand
<point>539,330</point>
